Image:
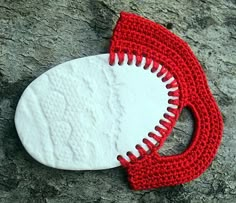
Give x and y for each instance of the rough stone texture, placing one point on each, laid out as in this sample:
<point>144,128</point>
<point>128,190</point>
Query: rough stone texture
<point>36,35</point>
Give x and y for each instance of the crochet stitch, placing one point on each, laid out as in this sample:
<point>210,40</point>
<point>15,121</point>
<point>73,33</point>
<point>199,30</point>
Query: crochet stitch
<point>141,38</point>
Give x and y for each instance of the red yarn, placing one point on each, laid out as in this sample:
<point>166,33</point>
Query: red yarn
<point>137,36</point>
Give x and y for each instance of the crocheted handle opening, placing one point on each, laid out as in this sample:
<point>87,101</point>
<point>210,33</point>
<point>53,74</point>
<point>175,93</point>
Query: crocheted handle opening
<point>138,36</point>
<point>154,171</point>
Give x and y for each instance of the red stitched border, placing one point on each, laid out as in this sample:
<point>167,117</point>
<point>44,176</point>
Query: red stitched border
<point>138,36</point>
<point>163,127</point>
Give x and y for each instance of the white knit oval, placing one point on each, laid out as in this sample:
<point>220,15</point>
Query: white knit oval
<point>83,113</point>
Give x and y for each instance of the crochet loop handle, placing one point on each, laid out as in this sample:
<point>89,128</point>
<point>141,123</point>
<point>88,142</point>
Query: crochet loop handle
<point>138,36</point>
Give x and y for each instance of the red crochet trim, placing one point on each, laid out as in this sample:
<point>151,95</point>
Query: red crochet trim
<point>139,37</point>
<point>165,125</point>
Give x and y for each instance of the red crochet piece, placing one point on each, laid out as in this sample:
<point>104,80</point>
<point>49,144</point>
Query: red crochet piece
<point>134,35</point>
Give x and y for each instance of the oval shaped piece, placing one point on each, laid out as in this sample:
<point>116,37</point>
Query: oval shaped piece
<point>81,114</point>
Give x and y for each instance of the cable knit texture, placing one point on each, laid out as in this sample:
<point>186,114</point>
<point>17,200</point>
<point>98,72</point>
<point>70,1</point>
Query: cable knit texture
<point>135,35</point>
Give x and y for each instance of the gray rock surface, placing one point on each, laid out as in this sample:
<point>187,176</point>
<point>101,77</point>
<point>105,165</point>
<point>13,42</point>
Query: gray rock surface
<point>36,35</point>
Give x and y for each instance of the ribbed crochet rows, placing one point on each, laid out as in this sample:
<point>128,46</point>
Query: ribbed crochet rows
<point>139,37</point>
